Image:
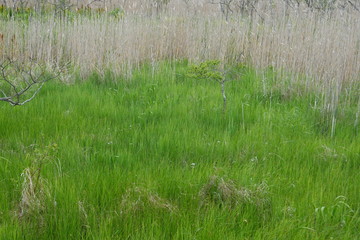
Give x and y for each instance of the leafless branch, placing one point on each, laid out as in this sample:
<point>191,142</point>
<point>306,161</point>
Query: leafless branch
<point>353,5</point>
<point>21,82</point>
<point>91,2</point>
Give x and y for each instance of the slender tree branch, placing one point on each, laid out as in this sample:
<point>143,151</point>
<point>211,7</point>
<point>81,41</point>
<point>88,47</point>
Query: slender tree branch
<point>353,5</point>
<point>21,82</point>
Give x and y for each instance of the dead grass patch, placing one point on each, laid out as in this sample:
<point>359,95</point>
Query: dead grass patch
<point>227,194</point>
<point>139,200</point>
<point>34,193</point>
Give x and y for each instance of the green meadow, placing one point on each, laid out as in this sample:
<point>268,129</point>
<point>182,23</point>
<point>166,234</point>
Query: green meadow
<point>154,156</point>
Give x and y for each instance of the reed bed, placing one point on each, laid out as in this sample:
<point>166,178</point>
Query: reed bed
<point>318,50</point>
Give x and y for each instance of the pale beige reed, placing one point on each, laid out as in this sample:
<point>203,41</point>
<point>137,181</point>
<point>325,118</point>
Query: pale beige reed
<point>318,50</point>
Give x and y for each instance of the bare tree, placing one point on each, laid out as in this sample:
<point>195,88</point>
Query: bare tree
<point>21,82</point>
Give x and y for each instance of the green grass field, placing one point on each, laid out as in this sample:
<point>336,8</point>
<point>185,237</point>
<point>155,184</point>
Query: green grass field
<point>155,157</point>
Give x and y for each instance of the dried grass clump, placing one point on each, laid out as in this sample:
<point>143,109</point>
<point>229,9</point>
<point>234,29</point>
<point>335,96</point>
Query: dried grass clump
<point>221,192</point>
<point>139,200</point>
<point>34,191</point>
<point>33,197</point>
<point>225,193</point>
<point>85,226</point>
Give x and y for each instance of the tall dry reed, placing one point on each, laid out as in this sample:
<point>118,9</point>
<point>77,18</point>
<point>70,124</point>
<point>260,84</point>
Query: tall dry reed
<point>318,48</point>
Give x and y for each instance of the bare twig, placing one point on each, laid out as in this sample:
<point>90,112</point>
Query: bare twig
<point>91,2</point>
<point>353,5</point>
<point>20,83</point>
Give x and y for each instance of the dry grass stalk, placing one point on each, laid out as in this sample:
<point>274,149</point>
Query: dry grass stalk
<point>225,193</point>
<point>34,192</point>
<point>139,200</point>
<point>1,44</point>
<point>85,226</point>
<point>33,197</point>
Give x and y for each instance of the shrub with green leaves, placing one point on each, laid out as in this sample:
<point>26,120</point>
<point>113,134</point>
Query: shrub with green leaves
<point>208,70</point>
<point>213,70</point>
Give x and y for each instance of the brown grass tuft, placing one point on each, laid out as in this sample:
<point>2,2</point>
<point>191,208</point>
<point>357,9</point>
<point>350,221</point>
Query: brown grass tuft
<point>225,193</point>
<point>85,226</point>
<point>34,190</point>
<point>138,200</point>
<point>33,197</point>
